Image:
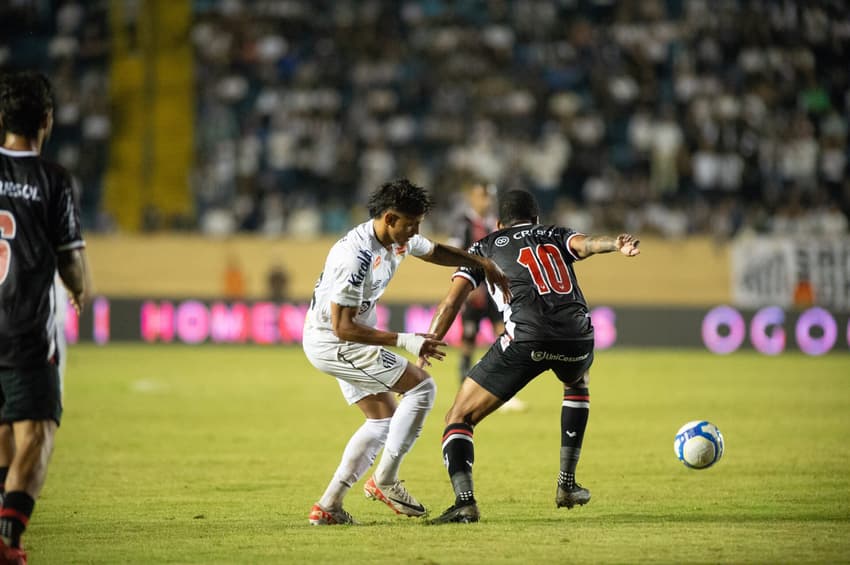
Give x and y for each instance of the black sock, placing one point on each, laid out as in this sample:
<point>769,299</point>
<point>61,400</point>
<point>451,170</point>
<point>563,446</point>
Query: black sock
<point>3,472</point>
<point>574,413</point>
<point>14,517</point>
<point>459,455</point>
<point>465,364</point>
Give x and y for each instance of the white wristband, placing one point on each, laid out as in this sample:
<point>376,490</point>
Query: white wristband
<point>411,342</point>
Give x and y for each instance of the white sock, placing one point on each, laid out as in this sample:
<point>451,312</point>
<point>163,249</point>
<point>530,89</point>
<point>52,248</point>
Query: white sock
<point>358,456</point>
<point>405,426</point>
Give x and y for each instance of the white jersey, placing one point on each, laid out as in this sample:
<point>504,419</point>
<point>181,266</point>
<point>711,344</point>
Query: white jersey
<point>357,271</point>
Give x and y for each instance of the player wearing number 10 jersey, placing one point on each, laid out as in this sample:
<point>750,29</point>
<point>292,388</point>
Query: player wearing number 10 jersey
<point>547,326</point>
<point>39,234</point>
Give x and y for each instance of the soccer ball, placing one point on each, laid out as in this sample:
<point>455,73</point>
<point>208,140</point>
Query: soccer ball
<point>698,444</point>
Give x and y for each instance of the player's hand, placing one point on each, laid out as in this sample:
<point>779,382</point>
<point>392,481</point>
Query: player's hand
<point>431,349</point>
<point>422,345</point>
<point>78,301</point>
<point>628,245</point>
<point>497,278</point>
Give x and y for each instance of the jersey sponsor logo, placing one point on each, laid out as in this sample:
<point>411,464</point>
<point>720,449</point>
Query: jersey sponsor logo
<point>18,190</point>
<point>502,241</point>
<point>539,232</point>
<point>364,306</point>
<point>388,359</point>
<point>365,258</point>
<point>538,356</point>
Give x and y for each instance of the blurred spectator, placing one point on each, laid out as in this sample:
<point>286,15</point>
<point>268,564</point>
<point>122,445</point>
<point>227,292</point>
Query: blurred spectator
<point>234,284</point>
<point>277,281</point>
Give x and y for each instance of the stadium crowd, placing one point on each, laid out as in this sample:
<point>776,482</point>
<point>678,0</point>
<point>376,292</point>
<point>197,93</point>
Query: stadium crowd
<point>667,116</point>
<point>69,41</point>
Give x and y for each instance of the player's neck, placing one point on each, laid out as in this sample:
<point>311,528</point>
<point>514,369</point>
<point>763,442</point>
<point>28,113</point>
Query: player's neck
<point>15,142</point>
<point>379,229</point>
<point>521,223</point>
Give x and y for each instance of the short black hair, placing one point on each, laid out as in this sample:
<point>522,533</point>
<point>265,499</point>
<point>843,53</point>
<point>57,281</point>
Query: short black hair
<point>518,205</point>
<point>400,195</point>
<point>26,97</point>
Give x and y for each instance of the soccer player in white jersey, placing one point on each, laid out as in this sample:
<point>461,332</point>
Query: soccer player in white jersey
<point>340,338</point>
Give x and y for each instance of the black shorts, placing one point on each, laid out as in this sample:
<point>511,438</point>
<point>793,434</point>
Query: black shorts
<point>471,317</point>
<point>30,394</point>
<point>505,372</point>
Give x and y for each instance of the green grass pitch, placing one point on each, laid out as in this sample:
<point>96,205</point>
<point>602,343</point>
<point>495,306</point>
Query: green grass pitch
<point>215,454</point>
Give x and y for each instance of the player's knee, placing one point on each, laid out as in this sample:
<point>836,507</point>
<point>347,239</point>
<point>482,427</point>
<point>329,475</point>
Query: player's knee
<point>379,428</point>
<point>582,382</point>
<point>425,392</point>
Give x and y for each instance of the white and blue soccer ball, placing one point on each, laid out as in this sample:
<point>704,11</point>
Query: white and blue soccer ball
<point>698,444</point>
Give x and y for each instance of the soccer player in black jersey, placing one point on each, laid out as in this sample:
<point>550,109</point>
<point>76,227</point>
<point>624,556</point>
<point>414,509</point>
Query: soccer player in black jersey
<point>474,223</point>
<point>547,326</point>
<point>477,221</point>
<point>39,234</point>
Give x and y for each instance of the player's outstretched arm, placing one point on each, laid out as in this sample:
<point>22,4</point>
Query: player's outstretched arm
<point>346,328</point>
<point>73,270</point>
<point>587,245</point>
<point>447,311</point>
<point>449,256</point>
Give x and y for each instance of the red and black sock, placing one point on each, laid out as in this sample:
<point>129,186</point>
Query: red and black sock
<point>459,455</point>
<point>14,516</point>
<point>574,413</point>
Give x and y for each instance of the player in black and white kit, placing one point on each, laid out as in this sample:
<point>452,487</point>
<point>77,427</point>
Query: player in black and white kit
<point>39,234</point>
<point>340,338</point>
<point>547,326</point>
<point>476,221</point>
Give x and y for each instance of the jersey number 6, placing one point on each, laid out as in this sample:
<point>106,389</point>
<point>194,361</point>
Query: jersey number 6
<point>7,231</point>
<point>553,276</point>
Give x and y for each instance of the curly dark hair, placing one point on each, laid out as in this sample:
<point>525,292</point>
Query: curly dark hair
<point>402,196</point>
<point>25,100</point>
<point>517,205</point>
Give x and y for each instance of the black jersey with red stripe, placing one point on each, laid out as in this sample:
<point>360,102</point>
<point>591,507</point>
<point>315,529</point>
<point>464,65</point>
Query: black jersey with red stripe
<point>547,301</point>
<point>38,218</point>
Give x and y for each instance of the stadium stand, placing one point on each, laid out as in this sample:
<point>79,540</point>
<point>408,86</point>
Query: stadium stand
<point>669,117</point>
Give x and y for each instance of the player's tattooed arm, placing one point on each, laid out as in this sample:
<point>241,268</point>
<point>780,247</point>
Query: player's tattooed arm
<point>587,245</point>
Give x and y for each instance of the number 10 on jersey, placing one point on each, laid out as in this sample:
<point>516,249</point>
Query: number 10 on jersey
<point>547,268</point>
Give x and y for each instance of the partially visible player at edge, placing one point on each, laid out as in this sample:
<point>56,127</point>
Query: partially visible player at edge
<point>39,234</point>
<point>341,339</point>
<point>547,326</point>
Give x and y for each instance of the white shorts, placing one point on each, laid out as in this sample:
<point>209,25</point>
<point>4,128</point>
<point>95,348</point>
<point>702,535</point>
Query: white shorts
<point>361,370</point>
